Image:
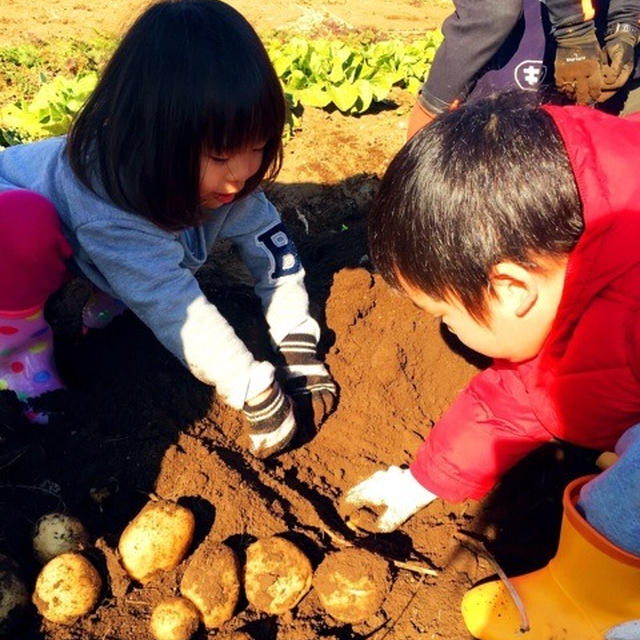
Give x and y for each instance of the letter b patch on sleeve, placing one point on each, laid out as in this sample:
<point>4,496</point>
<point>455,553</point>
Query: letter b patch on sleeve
<point>281,251</point>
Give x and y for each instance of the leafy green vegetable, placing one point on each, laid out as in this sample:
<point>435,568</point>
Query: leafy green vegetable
<point>320,73</point>
<point>51,110</point>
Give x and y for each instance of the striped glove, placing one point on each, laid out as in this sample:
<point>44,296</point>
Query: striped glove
<point>307,379</point>
<point>271,423</point>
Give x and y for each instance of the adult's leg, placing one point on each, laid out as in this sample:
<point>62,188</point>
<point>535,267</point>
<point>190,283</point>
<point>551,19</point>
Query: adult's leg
<point>611,501</point>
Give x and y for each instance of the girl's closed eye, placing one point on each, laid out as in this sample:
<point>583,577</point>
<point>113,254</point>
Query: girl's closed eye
<point>221,158</point>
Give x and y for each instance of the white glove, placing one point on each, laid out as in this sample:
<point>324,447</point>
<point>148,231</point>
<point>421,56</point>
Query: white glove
<point>625,631</point>
<point>383,501</point>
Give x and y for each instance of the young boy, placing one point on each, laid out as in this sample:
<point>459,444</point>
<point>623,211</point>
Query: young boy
<point>518,226</point>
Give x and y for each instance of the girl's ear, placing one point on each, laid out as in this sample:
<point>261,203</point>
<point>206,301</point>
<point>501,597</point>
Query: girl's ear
<point>515,287</point>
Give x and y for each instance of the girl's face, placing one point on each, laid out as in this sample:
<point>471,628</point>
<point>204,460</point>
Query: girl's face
<point>223,175</point>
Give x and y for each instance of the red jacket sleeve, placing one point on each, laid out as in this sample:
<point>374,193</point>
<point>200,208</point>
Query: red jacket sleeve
<point>488,428</point>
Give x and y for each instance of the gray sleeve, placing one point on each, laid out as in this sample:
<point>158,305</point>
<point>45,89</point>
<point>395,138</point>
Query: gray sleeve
<point>624,12</point>
<point>142,268</point>
<point>272,258</point>
<point>472,35</point>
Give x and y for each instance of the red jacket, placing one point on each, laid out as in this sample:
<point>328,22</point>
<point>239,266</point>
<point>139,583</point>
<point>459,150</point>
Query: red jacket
<point>584,385</point>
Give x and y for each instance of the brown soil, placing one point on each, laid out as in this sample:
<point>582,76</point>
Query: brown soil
<point>134,421</point>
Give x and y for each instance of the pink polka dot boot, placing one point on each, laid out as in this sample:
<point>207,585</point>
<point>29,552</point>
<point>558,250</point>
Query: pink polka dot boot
<point>26,356</point>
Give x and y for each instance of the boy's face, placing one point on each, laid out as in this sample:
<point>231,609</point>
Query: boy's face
<point>518,319</point>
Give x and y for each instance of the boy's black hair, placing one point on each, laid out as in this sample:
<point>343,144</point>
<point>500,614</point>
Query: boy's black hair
<point>190,76</point>
<point>488,182</point>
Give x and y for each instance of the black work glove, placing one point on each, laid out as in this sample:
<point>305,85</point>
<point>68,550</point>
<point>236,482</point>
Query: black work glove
<point>306,379</point>
<point>578,67</point>
<point>271,423</point>
<point>619,49</point>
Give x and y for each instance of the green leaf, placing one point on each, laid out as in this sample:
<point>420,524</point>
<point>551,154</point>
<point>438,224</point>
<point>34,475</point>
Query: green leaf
<point>314,96</point>
<point>343,96</point>
<point>365,95</point>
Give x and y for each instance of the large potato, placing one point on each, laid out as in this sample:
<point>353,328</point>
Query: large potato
<point>277,575</point>
<point>157,539</point>
<point>352,584</point>
<point>66,588</point>
<point>13,596</point>
<point>57,533</point>
<point>174,619</point>
<point>212,582</point>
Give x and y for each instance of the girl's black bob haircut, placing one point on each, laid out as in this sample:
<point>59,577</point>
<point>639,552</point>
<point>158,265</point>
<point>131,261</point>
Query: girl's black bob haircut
<point>487,182</point>
<point>189,77</point>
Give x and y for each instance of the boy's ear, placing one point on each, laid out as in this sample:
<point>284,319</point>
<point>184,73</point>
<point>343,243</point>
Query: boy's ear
<point>515,287</point>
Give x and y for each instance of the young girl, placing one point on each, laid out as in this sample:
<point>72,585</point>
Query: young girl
<point>165,158</point>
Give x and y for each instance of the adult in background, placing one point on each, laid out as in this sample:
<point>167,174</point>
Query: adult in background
<point>589,51</point>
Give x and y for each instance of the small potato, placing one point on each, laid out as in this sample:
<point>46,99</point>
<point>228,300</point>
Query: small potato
<point>277,575</point>
<point>352,584</point>
<point>13,596</point>
<point>157,539</point>
<point>57,533</point>
<point>212,582</point>
<point>174,619</point>
<point>66,588</point>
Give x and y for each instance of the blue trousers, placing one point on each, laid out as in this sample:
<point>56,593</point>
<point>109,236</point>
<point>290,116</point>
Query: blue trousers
<point>611,501</point>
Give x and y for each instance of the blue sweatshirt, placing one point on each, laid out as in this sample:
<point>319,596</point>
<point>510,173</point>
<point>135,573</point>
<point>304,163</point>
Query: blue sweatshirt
<point>152,270</point>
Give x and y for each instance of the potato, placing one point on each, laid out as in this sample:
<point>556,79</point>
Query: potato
<point>157,539</point>
<point>352,584</point>
<point>66,588</point>
<point>13,596</point>
<point>277,575</point>
<point>174,619</point>
<point>212,582</point>
<point>57,533</point>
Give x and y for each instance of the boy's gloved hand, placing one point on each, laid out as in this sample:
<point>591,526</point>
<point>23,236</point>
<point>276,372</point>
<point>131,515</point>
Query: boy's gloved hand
<point>307,380</point>
<point>382,502</point>
<point>271,421</point>
<point>578,67</point>
<point>619,49</point>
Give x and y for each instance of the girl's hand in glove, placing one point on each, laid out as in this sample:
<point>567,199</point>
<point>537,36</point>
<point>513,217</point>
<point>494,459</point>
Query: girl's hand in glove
<point>271,421</point>
<point>307,380</point>
<point>382,502</point>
